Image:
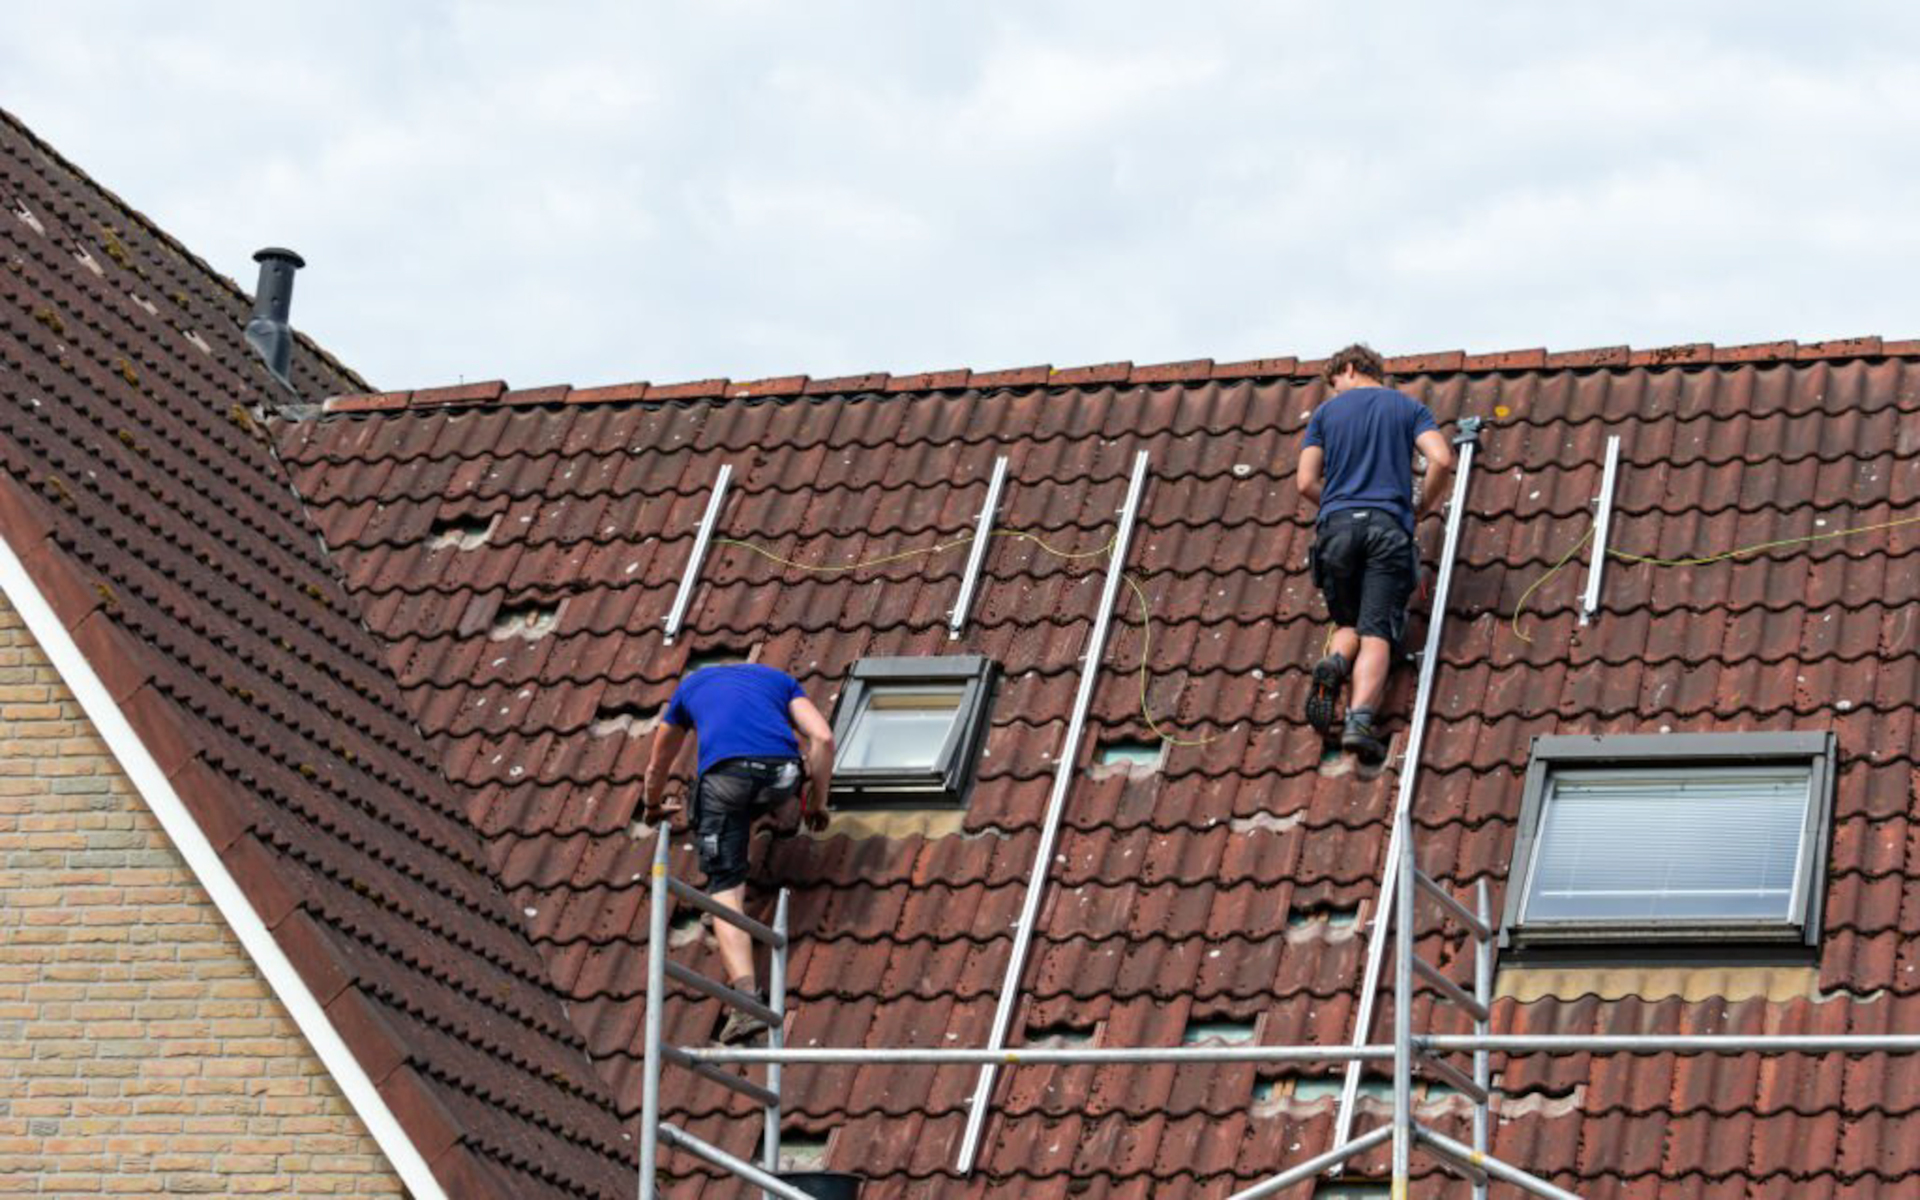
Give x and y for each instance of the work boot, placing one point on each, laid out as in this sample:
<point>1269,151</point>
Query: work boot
<point>1362,740</point>
<point>1323,694</point>
<point>741,1028</point>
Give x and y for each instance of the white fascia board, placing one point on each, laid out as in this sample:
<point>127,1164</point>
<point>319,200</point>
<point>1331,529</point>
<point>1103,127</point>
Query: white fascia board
<point>158,792</point>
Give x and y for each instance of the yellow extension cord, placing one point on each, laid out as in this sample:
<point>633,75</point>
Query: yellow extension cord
<point>1650,561</point>
<point>1146,608</point>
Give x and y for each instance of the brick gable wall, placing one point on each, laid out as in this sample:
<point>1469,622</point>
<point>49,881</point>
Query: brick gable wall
<point>140,1051</point>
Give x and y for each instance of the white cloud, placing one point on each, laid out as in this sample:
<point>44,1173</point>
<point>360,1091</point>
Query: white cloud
<point>601,191</point>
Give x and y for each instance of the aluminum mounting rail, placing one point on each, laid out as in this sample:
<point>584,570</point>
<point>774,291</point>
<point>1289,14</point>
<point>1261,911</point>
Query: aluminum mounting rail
<point>690,574</point>
<point>1602,526</point>
<point>1056,807</point>
<point>1467,439</point>
<point>977,553</point>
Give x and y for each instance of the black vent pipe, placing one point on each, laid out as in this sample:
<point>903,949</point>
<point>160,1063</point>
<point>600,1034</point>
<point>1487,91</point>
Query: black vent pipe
<point>268,332</point>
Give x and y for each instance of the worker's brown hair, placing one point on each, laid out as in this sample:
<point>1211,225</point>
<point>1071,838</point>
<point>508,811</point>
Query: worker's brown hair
<point>1361,357</point>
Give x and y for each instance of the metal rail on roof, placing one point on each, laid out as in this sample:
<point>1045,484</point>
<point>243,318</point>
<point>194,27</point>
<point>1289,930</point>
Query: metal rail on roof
<point>1602,527</point>
<point>1551,1044</point>
<point>690,575</point>
<point>1056,807</point>
<point>977,553</point>
<point>1035,1056</point>
<point>1467,439</point>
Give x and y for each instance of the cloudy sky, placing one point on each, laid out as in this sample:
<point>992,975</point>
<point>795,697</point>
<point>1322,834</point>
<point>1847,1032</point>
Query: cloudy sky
<point>595,192</point>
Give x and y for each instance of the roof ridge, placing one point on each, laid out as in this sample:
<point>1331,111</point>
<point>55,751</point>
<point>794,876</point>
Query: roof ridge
<point>152,227</point>
<point>1197,370</point>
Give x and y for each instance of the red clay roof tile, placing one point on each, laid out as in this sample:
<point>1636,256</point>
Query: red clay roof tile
<point>1159,898</point>
<point>164,530</point>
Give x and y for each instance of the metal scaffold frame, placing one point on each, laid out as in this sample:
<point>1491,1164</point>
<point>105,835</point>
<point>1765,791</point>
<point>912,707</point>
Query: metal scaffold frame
<point>653,1129</point>
<point>1409,1051</point>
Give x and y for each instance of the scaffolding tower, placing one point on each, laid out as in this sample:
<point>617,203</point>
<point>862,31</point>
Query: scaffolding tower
<point>1395,912</point>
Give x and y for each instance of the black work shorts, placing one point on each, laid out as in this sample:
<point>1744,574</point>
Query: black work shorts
<point>1365,564</point>
<point>729,796</point>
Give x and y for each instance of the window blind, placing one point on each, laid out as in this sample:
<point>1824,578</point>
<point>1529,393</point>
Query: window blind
<point>1720,843</point>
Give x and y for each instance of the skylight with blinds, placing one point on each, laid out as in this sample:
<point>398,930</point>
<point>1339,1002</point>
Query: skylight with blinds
<point>1650,845</point>
<point>1685,837</point>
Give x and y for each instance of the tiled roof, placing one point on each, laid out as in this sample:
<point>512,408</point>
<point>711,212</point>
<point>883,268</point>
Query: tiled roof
<point>143,494</point>
<point>517,552</point>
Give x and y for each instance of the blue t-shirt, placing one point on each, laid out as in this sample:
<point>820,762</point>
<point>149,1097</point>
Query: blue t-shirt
<point>737,710</point>
<point>1368,434</point>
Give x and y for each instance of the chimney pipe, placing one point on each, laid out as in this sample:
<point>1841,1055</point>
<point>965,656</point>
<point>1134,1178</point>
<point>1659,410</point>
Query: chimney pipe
<point>267,331</point>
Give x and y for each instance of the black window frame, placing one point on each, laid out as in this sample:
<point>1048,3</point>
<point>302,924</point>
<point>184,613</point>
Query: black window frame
<point>1675,752</point>
<point>949,781</point>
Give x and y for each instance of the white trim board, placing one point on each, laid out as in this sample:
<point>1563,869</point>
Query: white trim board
<point>154,788</point>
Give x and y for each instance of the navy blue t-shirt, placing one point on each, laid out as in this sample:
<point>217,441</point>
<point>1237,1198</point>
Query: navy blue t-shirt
<point>1368,434</point>
<point>737,710</point>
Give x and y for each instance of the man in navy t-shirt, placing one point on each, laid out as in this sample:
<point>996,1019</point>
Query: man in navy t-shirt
<point>1357,462</point>
<point>745,717</point>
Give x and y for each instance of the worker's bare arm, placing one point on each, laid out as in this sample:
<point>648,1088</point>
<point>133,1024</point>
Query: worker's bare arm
<point>1433,486</point>
<point>1308,478</point>
<point>667,742</point>
<point>819,738</point>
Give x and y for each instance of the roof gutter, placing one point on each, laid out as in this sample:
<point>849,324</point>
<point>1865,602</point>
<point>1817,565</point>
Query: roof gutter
<point>144,772</point>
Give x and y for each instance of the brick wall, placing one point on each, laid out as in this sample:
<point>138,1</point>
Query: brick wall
<point>140,1052</point>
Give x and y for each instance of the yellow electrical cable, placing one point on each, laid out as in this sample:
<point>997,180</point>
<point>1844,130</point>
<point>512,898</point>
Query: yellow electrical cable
<point>1146,653</point>
<point>884,559</point>
<point>1757,547</point>
<point>1551,572</point>
<point>765,553</point>
<point>1740,552</point>
<point>1146,607</point>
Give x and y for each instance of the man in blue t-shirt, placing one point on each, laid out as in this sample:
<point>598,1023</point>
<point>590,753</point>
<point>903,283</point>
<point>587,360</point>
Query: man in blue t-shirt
<point>1357,462</point>
<point>745,717</point>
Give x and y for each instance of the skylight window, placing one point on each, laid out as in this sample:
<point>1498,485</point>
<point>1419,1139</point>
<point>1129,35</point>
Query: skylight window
<point>1717,837</point>
<point>909,731</point>
<point>905,726</point>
